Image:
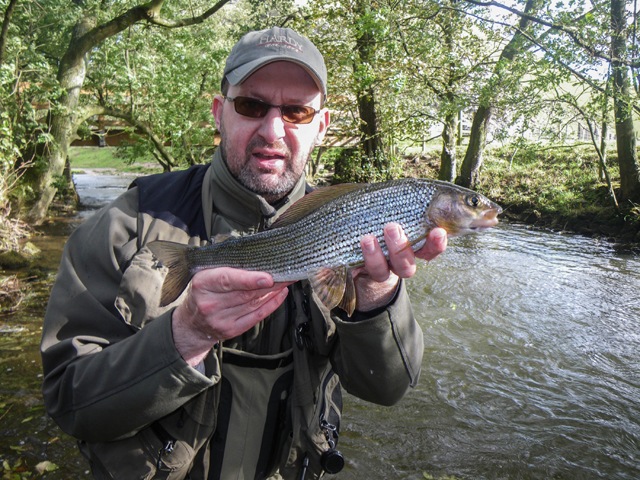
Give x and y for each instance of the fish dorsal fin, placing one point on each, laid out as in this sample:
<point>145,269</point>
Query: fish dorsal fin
<point>313,201</point>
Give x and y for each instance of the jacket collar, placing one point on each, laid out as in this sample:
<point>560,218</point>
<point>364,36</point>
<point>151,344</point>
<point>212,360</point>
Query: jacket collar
<point>232,208</point>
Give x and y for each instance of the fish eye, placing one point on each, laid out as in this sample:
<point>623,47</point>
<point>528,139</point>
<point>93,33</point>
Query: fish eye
<point>473,200</point>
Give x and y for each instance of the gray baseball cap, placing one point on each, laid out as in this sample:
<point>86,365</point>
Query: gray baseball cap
<point>257,49</point>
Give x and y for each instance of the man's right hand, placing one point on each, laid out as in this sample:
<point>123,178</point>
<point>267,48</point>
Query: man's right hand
<point>222,303</point>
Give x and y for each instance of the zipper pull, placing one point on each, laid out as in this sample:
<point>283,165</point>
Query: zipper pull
<point>167,449</point>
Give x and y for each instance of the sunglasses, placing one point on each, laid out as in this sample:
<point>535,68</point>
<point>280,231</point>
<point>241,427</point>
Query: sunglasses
<point>254,108</point>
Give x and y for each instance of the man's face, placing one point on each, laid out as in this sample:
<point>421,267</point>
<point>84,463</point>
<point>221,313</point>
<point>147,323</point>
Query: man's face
<point>268,155</point>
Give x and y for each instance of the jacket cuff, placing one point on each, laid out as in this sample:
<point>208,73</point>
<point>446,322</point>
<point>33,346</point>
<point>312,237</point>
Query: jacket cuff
<point>359,316</point>
<point>161,333</point>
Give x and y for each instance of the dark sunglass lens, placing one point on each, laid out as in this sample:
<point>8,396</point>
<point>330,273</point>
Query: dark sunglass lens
<point>297,113</point>
<point>250,107</point>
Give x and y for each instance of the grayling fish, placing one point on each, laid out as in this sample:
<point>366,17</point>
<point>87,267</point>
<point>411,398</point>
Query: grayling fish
<point>318,238</point>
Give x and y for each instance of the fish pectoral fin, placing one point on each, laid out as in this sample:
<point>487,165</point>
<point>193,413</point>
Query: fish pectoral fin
<point>329,284</point>
<point>348,302</point>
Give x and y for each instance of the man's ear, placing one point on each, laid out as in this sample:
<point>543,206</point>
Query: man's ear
<point>325,121</point>
<point>216,109</point>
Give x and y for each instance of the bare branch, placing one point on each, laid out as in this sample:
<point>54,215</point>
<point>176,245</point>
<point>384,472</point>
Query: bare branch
<point>572,32</point>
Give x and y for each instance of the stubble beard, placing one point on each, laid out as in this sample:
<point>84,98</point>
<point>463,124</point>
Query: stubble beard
<point>275,186</point>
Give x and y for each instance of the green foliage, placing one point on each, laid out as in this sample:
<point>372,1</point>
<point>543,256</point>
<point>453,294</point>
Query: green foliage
<point>352,165</point>
<point>422,61</point>
<point>165,79</point>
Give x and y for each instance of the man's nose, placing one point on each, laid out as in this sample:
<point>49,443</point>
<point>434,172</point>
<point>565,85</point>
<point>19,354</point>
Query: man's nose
<point>272,127</point>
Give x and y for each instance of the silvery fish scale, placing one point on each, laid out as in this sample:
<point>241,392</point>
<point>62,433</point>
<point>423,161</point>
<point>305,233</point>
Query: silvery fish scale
<point>330,235</point>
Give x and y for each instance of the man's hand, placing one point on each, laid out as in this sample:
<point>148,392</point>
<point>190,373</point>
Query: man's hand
<point>222,303</point>
<point>377,281</point>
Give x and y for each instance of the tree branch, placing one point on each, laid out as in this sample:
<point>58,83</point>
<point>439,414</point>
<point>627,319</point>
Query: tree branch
<point>149,12</point>
<point>573,33</point>
<point>185,22</point>
<point>5,28</point>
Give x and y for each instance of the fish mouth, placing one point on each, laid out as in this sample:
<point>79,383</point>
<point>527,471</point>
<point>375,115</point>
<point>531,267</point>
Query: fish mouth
<point>486,220</point>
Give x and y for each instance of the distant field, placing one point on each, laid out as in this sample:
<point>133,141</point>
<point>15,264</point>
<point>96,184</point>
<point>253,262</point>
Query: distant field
<point>105,157</point>
<point>94,157</point>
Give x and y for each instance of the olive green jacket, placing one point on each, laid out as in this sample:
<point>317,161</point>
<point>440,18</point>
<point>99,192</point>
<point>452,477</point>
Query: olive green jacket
<point>112,373</point>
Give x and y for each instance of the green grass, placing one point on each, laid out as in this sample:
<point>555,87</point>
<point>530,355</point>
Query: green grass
<point>95,157</point>
<point>560,189</point>
<point>107,157</point>
<point>557,182</point>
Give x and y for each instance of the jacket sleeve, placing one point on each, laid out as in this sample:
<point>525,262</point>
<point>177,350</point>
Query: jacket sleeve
<point>104,379</point>
<point>379,358</point>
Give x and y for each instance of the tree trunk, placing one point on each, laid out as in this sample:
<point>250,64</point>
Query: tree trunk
<point>604,129</point>
<point>470,169</point>
<point>4,32</point>
<point>369,135</point>
<point>472,162</point>
<point>71,75</point>
<point>370,138</point>
<point>625,131</point>
<point>448,161</point>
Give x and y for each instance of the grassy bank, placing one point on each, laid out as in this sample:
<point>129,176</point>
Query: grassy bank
<point>560,189</point>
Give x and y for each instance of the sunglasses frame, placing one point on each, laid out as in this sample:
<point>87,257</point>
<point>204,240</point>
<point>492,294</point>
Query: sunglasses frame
<point>308,119</point>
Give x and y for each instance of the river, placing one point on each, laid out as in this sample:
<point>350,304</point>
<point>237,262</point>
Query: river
<point>531,367</point>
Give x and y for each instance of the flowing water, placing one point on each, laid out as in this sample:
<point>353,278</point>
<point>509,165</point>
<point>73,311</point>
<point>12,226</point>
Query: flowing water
<point>531,367</point>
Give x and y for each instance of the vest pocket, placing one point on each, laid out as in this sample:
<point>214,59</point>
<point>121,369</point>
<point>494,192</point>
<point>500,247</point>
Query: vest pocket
<point>143,456</point>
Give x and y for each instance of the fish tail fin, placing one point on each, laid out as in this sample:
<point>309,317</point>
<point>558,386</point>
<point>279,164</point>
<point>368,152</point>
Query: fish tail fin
<point>174,256</point>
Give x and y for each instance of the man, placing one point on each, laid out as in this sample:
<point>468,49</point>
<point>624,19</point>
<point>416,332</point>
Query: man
<point>239,377</point>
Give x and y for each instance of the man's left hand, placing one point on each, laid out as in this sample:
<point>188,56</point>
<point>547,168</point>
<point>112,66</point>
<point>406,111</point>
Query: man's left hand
<point>377,281</point>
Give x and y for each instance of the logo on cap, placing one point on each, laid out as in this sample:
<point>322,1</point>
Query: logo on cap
<point>280,41</point>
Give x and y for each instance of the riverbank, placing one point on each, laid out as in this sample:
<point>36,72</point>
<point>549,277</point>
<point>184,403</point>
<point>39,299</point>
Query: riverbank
<point>607,225</point>
<point>558,190</point>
